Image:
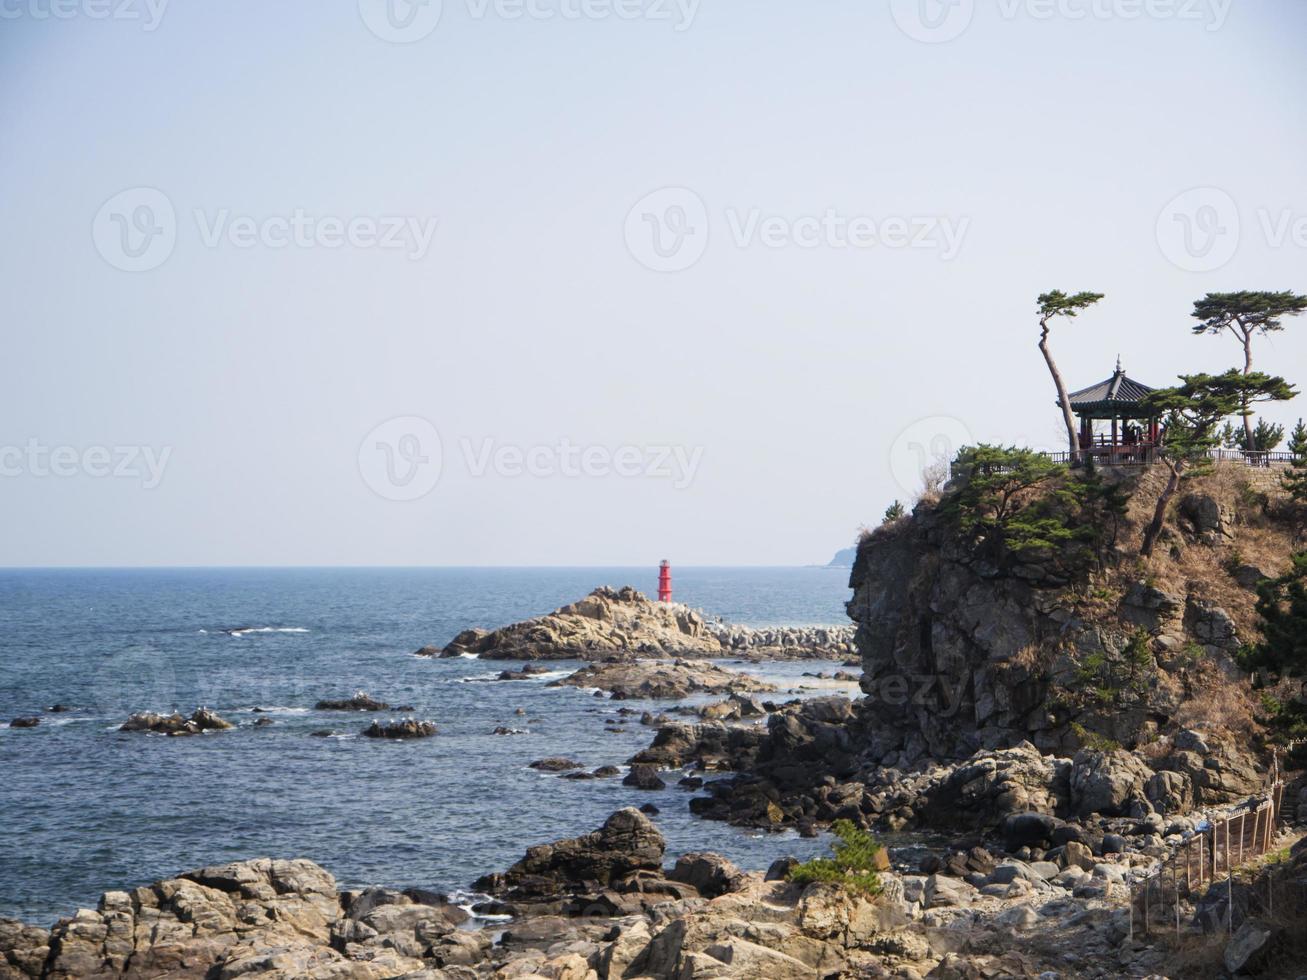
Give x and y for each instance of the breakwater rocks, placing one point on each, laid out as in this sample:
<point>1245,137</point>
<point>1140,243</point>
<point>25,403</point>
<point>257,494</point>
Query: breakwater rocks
<point>626,623</point>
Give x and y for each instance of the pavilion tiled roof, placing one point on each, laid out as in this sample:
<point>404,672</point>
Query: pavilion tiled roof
<point>1118,388</point>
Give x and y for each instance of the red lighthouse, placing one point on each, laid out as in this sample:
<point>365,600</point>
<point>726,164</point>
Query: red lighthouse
<point>665,581</point>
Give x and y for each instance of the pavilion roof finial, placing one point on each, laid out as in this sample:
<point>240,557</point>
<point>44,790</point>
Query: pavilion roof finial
<point>1118,364</point>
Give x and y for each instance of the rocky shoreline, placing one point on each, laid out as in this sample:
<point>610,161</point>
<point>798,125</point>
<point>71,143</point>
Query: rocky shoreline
<point>606,905</point>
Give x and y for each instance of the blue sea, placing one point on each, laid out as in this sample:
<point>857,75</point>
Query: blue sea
<point>85,808</point>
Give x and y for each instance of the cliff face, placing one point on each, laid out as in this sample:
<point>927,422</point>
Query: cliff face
<point>959,654</point>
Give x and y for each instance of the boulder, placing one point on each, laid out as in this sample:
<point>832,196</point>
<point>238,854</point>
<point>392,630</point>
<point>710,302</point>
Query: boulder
<point>1248,947</point>
<point>407,728</point>
<point>627,843</point>
<point>555,764</point>
<point>981,793</point>
<point>643,776</point>
<point>710,874</point>
<point>1170,792</point>
<point>1029,830</point>
<point>941,891</point>
<point>1107,782</point>
<point>1077,855</point>
<point>1205,517</point>
<point>360,701</point>
<point>23,949</point>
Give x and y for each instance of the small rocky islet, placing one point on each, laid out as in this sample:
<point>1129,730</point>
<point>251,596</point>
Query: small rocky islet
<point>1031,745</point>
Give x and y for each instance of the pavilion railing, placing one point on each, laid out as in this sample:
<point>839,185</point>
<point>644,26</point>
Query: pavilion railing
<point>1147,455</point>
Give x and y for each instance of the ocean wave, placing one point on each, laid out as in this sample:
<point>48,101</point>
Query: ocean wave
<point>240,631</point>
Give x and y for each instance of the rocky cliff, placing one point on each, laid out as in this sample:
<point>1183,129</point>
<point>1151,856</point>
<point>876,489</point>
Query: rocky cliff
<point>961,653</point>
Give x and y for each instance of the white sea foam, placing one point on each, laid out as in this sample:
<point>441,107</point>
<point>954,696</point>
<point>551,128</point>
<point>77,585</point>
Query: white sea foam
<point>265,629</point>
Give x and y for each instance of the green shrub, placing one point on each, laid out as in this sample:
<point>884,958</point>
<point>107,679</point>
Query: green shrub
<point>853,864</point>
<point>1093,740</point>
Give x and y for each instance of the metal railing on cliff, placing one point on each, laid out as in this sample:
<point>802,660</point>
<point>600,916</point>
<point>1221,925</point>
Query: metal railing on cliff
<point>1215,851</point>
<point>1147,456</point>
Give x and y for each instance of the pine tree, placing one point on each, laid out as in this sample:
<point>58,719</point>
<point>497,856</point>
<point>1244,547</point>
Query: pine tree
<point>1295,478</point>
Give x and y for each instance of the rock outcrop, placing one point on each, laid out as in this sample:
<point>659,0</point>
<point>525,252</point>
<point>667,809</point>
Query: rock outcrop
<point>627,843</point>
<point>627,624</point>
<point>404,728</point>
<point>201,720</point>
<point>360,701</point>
<point>661,679</point>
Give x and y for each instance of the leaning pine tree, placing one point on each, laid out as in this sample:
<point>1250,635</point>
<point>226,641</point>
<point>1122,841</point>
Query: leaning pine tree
<point>1058,303</point>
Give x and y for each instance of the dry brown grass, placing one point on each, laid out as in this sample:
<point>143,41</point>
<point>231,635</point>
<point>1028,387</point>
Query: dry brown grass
<point>1213,703</point>
<point>1184,566</point>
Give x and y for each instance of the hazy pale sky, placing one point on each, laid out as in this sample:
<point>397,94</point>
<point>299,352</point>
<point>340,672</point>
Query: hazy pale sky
<point>599,281</point>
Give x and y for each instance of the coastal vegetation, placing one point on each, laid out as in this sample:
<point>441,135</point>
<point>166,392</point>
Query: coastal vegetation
<point>854,864</point>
